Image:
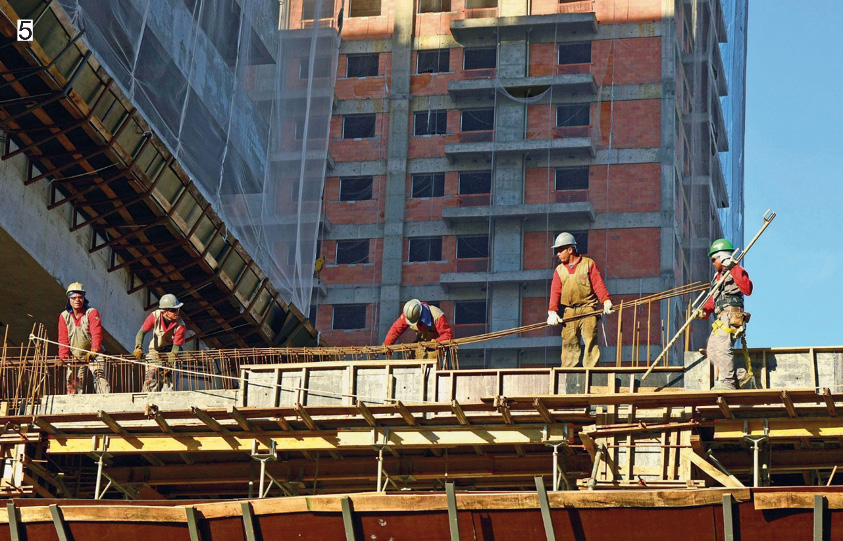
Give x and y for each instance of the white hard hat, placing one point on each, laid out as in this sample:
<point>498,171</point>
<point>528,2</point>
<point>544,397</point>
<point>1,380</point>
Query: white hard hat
<point>564,239</point>
<point>412,311</point>
<point>169,302</point>
<point>75,287</point>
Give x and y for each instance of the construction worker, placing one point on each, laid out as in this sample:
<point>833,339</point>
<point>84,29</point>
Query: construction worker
<point>80,336</point>
<point>729,316</point>
<point>579,288</point>
<point>429,322</point>
<point>167,337</point>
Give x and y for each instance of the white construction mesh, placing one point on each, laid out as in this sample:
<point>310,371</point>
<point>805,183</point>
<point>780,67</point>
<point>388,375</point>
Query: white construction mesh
<point>243,98</point>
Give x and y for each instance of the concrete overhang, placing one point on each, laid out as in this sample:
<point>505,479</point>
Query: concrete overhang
<point>564,23</point>
<point>542,211</point>
<point>83,136</point>
<point>570,85</point>
<point>454,279</point>
<point>573,146</point>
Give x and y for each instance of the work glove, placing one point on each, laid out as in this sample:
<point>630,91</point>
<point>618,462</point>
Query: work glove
<point>607,307</point>
<point>62,361</point>
<point>700,314</point>
<point>553,318</point>
<point>728,262</point>
<point>172,357</point>
<point>89,356</point>
<point>138,353</point>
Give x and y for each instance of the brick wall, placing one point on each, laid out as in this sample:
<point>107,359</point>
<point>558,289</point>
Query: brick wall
<point>353,150</point>
<point>624,61</point>
<point>354,212</point>
<point>634,124</point>
<point>631,187</point>
<point>361,273</point>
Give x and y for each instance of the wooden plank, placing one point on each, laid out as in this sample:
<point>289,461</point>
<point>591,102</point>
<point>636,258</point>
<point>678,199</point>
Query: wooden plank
<point>248,521</point>
<point>544,505</point>
<point>829,402</point>
<point>405,413</point>
<point>453,522</point>
<point>242,421</point>
<point>698,461</point>
<point>724,408</point>
<point>305,417</point>
<point>780,428</point>
<point>366,413</point>
<point>192,522</point>
<point>59,523</point>
<point>538,404</point>
<point>14,522</point>
<point>348,519</point>
<point>459,413</point>
<point>788,404</point>
<point>46,426</point>
<point>208,420</point>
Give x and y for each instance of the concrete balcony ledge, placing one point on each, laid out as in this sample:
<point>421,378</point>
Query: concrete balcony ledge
<point>530,147</point>
<point>568,23</point>
<point>570,84</point>
<point>577,210</point>
<point>447,280</point>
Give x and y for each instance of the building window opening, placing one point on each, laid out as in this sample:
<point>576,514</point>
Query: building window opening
<point>430,122</point>
<point>474,247</point>
<point>575,53</point>
<point>428,185</point>
<point>352,252</point>
<point>478,120</point>
<point>362,65</point>
<point>435,61</point>
<point>434,6</point>
<point>358,126</point>
<point>572,178</point>
<point>356,188</point>
<point>424,249</point>
<point>308,9</point>
<point>578,114</point>
<point>469,312</point>
<point>349,316</point>
<point>480,4</point>
<point>480,58</point>
<point>364,8</point>
<point>475,182</point>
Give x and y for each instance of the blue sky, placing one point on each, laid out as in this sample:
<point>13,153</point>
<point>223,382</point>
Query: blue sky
<point>794,166</point>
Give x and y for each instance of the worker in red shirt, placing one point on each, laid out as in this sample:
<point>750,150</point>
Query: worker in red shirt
<point>729,315</point>
<point>80,333</point>
<point>579,288</point>
<point>167,337</point>
<point>429,322</point>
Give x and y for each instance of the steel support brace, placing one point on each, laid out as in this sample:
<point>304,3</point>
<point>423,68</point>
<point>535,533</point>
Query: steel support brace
<point>248,521</point>
<point>545,507</point>
<point>819,517</point>
<point>59,523</point>
<point>347,518</point>
<point>728,518</point>
<point>453,523</point>
<point>14,522</point>
<point>192,523</point>
<point>102,453</point>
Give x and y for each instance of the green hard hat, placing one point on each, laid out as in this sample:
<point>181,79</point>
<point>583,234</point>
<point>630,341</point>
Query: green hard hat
<point>719,245</point>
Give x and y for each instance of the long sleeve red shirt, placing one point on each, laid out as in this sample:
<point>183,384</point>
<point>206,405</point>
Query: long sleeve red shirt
<point>441,330</point>
<point>741,278</point>
<point>597,285</point>
<point>94,327</point>
<point>178,336</point>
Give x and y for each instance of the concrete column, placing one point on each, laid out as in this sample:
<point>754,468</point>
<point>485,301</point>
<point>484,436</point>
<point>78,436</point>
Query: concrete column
<point>396,174</point>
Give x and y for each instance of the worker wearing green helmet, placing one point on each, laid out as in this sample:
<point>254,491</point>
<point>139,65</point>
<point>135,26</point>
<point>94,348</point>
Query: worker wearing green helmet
<point>730,319</point>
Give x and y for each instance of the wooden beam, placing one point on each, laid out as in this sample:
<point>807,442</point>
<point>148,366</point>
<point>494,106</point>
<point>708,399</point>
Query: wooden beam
<point>306,418</point>
<point>283,423</point>
<point>728,481</point>
<point>724,408</point>
<point>788,404</point>
<point>46,426</point>
<point>783,428</point>
<point>405,413</point>
<point>242,421</point>
<point>208,420</point>
<point>111,423</point>
<point>459,413</point>
<point>540,407</point>
<point>366,413</point>
<point>829,402</point>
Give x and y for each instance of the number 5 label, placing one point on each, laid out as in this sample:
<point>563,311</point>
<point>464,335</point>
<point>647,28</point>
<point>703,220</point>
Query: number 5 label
<point>25,30</point>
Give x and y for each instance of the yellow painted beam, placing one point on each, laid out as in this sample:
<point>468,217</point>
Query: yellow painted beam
<point>779,428</point>
<point>409,437</point>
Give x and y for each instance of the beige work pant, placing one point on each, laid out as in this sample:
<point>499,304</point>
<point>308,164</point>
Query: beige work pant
<point>76,377</point>
<point>573,331</point>
<point>157,376</point>
<point>719,352</point>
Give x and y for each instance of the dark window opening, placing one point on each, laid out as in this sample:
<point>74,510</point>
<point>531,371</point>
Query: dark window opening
<point>321,67</point>
<point>429,185</point>
<point>352,252</point>
<point>364,8</point>
<point>434,61</point>
<point>572,178</point>
<point>349,316</point>
<point>473,247</point>
<point>573,115</point>
<point>430,122</point>
<point>472,182</point>
<point>308,9</point>
<point>480,4</point>
<point>355,188</point>
<point>362,65</point>
<point>425,249</point>
<point>582,240</point>
<point>434,6</point>
<point>469,312</point>
<point>478,120</point>
<point>358,126</point>
<point>575,53</point>
<point>480,58</point>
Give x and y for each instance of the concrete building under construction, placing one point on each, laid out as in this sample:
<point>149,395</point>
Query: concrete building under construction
<point>182,147</point>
